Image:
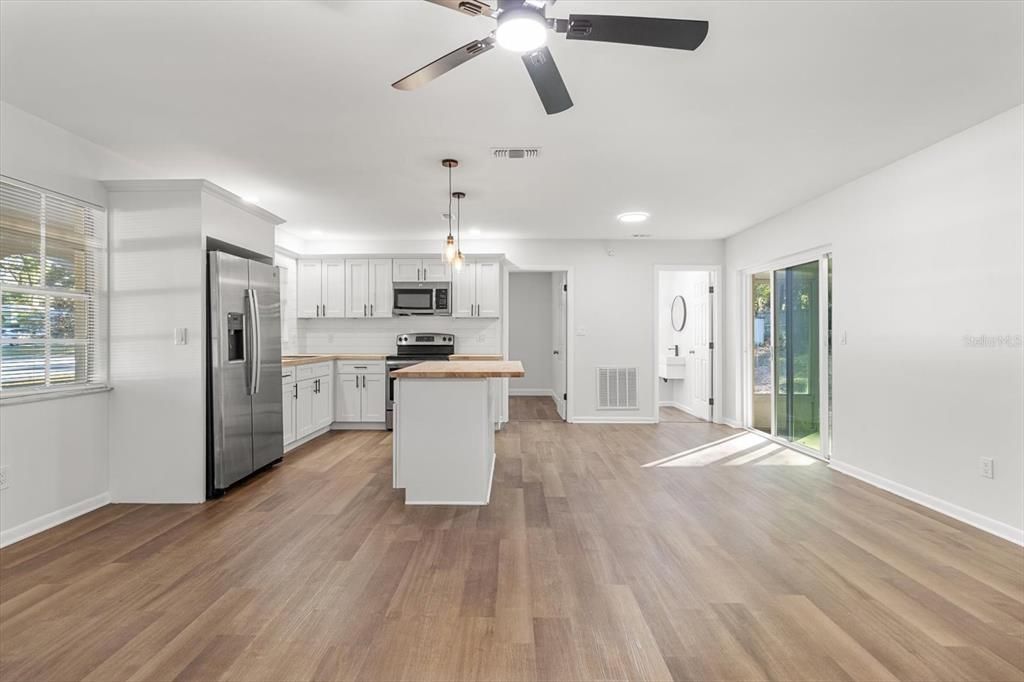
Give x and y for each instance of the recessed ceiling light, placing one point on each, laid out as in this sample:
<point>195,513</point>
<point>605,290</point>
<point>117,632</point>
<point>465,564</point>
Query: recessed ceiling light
<point>251,199</point>
<point>633,217</point>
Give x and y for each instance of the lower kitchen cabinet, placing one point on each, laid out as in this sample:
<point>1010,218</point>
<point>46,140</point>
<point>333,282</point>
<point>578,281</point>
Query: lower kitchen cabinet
<point>360,395</point>
<point>306,400</point>
<point>288,410</point>
<point>323,413</point>
<point>303,408</point>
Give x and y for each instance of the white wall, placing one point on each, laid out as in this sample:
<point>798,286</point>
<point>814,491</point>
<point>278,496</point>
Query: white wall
<point>613,297</point>
<point>927,251</point>
<point>529,331</point>
<point>55,471</point>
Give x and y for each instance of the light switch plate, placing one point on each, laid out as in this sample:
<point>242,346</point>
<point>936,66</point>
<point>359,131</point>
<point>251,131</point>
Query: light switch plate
<point>988,467</point>
<point>181,336</point>
<point>5,478</point>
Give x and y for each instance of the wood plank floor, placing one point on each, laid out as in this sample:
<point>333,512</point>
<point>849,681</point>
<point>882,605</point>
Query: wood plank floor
<point>532,408</point>
<point>585,566</point>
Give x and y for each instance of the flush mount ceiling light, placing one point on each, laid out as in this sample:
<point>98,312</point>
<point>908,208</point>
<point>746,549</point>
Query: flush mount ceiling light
<point>633,217</point>
<point>522,29</point>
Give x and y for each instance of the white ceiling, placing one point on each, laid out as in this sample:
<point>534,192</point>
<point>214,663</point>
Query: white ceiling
<point>291,101</point>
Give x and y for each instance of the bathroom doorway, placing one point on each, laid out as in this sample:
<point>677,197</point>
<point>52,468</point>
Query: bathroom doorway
<point>685,375</point>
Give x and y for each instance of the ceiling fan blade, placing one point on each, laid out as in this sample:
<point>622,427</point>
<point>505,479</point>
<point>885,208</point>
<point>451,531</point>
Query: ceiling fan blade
<point>678,34</point>
<point>441,66</point>
<point>548,81</point>
<point>473,8</point>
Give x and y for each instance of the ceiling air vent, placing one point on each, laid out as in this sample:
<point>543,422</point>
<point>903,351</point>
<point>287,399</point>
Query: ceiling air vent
<point>616,388</point>
<point>515,152</point>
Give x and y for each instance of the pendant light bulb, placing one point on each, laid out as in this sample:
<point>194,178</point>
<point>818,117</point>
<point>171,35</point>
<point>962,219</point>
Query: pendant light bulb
<point>450,249</point>
<point>458,261</point>
<point>450,246</point>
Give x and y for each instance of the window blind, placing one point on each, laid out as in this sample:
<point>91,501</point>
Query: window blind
<point>52,280</point>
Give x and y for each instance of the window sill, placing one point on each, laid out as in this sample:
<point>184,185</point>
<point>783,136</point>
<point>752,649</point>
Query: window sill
<point>50,394</point>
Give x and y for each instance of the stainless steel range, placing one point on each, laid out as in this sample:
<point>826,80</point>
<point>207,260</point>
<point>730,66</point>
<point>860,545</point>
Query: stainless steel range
<point>412,349</point>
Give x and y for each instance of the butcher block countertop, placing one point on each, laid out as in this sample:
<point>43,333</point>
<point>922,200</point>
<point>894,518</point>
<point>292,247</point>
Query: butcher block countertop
<point>293,360</point>
<point>462,369</point>
<point>463,358</point>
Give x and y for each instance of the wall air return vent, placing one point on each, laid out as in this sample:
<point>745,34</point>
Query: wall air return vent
<point>504,153</point>
<point>616,388</point>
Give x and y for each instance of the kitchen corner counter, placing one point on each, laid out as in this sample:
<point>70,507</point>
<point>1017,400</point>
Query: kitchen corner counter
<point>464,369</point>
<point>293,360</point>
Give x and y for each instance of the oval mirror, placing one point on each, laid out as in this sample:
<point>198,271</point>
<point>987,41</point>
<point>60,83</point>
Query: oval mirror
<point>678,313</point>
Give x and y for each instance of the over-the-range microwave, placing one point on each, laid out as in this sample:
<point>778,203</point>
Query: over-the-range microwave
<point>422,298</point>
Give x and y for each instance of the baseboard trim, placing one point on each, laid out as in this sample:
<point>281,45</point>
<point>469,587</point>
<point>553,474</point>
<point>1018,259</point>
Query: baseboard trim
<point>55,518</point>
<point>728,422</point>
<point>305,439</point>
<point>614,420</point>
<point>532,392</point>
<point>979,521</point>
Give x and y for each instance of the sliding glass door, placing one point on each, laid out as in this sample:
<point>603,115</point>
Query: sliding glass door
<point>790,370</point>
<point>797,350</point>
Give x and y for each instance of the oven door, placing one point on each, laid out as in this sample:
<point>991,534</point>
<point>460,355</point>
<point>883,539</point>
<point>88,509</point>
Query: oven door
<point>413,301</point>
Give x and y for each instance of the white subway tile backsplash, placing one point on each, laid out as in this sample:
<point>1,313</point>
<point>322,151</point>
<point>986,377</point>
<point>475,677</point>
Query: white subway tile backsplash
<point>341,335</point>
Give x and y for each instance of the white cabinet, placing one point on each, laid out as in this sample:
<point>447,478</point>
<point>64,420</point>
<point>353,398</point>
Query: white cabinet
<point>288,411</point>
<point>477,290</point>
<point>421,270</point>
<point>320,287</point>
<point>368,283</point>
<point>304,408</point>
<point>360,392</point>
<point>308,284</point>
<point>323,413</point>
<point>348,398</point>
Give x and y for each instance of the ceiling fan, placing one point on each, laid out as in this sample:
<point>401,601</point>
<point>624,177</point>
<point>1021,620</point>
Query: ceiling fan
<point>523,27</point>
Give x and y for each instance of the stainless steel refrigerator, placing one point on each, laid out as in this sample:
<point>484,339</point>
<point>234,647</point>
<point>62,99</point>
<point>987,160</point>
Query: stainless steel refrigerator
<point>245,427</point>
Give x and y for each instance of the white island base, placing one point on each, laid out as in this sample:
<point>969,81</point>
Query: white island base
<point>444,433</point>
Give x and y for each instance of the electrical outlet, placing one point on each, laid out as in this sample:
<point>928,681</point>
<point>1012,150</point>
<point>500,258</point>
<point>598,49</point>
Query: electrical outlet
<point>4,478</point>
<point>988,467</point>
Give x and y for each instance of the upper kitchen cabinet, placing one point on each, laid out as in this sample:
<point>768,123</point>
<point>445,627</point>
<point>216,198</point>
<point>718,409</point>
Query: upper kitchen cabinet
<point>477,289</point>
<point>320,288</point>
<point>421,270</point>
<point>368,283</point>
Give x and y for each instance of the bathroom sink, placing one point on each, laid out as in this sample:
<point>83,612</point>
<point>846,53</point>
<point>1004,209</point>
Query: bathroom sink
<point>672,367</point>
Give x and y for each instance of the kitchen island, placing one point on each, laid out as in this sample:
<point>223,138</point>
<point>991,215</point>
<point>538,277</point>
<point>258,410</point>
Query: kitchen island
<point>443,448</point>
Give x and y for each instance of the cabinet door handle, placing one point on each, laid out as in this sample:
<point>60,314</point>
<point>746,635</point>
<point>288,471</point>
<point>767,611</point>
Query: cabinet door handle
<point>364,310</point>
<point>295,392</point>
<point>371,310</point>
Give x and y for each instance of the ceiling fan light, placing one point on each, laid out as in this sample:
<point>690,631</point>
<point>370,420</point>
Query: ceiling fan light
<point>521,30</point>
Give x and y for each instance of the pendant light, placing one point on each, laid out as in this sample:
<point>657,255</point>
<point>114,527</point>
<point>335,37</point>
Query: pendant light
<point>459,259</point>
<point>450,247</point>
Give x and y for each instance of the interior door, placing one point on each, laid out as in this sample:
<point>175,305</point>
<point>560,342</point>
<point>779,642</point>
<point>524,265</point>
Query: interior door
<point>267,441</point>
<point>373,398</point>
<point>558,326</point>
<point>357,280</point>
<point>797,394</point>
<point>380,287</point>
<point>488,289</point>
<point>333,289</point>
<point>701,376</point>
<point>307,288</point>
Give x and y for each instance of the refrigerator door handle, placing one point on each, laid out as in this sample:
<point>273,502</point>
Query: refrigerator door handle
<point>256,350</point>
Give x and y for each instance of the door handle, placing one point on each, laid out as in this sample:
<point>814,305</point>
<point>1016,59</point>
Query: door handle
<point>554,352</point>
<point>674,349</point>
<point>364,310</point>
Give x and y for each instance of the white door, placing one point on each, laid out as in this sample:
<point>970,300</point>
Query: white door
<point>488,289</point>
<point>288,411</point>
<point>558,329</point>
<point>307,288</point>
<point>347,398</point>
<point>304,409</point>
<point>380,287</point>
<point>322,415</point>
<point>373,397</point>
<point>333,289</point>
<point>357,279</point>
<point>437,271</point>
<point>701,374</point>
<point>408,270</point>
<point>464,291</point>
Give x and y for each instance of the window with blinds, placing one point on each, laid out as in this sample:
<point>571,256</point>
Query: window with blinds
<point>52,278</point>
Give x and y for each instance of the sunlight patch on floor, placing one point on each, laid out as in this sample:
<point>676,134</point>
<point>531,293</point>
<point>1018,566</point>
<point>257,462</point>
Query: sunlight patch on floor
<point>738,450</point>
